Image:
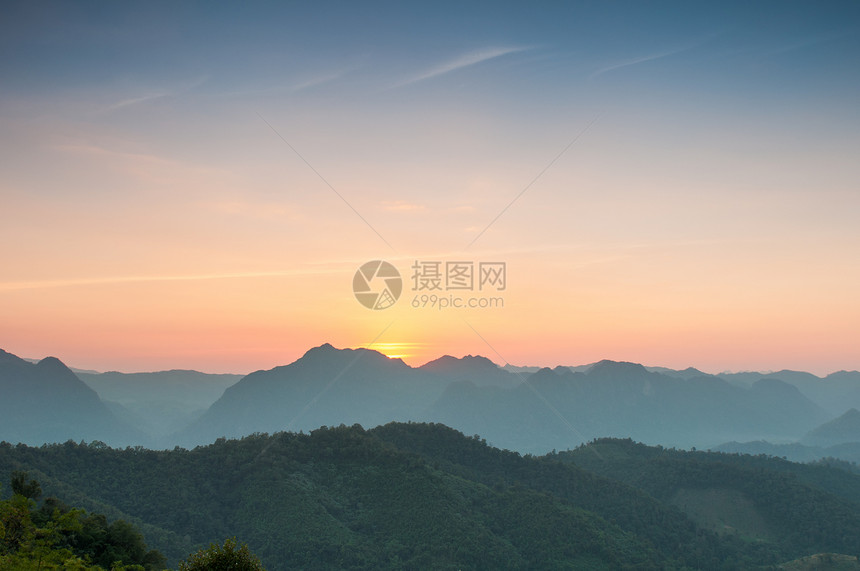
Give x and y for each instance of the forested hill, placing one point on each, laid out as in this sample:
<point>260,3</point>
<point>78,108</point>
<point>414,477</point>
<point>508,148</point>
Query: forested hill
<point>805,507</point>
<point>426,496</point>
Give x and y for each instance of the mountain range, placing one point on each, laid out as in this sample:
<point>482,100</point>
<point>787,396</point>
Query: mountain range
<point>835,393</point>
<point>522,409</point>
<point>46,402</point>
<point>838,438</point>
<point>158,403</point>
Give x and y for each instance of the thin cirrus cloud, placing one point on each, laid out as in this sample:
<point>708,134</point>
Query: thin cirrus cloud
<point>635,61</point>
<point>401,205</point>
<point>809,42</point>
<point>175,91</point>
<point>141,166</point>
<point>463,61</point>
<point>108,280</point>
<point>320,79</point>
<point>135,101</point>
<point>651,57</point>
<point>290,86</point>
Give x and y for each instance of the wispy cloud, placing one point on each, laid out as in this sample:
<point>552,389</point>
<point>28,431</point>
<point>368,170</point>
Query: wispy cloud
<point>319,79</point>
<point>294,85</point>
<point>142,166</point>
<point>401,205</point>
<point>653,56</point>
<point>463,61</point>
<point>611,251</point>
<point>638,60</point>
<point>810,41</point>
<point>112,280</point>
<point>154,94</point>
<point>256,210</point>
<point>135,101</point>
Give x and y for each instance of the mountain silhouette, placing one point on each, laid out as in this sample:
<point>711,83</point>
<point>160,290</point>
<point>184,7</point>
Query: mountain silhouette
<point>476,369</point>
<point>514,408</point>
<point>47,402</point>
<point>842,430</point>
<point>158,403</point>
<point>551,408</point>
<point>835,393</point>
<point>326,386</point>
<point>560,409</point>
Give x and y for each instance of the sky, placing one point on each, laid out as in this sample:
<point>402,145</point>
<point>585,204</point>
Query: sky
<point>195,185</point>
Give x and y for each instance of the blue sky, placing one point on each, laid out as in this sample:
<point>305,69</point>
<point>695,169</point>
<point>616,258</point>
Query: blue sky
<point>712,46</point>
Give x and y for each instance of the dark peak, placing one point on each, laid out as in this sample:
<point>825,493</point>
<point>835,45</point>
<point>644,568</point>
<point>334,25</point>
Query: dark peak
<point>6,357</point>
<point>480,361</point>
<point>325,348</point>
<point>51,363</point>
<point>55,368</point>
<point>615,368</point>
<point>444,361</point>
<point>841,375</point>
<point>470,362</point>
<point>327,352</point>
<point>793,376</point>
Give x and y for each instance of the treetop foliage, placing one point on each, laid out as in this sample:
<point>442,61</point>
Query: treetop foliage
<point>227,557</point>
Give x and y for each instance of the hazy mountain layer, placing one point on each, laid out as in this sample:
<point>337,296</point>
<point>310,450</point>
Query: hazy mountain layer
<point>838,438</point>
<point>163,402</point>
<point>46,402</point>
<point>836,393</point>
<point>842,430</point>
<point>796,452</point>
<point>535,413</point>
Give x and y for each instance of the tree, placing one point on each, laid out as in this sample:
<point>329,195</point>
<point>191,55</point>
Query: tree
<point>21,486</point>
<point>228,557</point>
<point>54,536</point>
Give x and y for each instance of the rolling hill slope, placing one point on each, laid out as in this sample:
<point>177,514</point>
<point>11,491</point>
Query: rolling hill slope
<point>426,496</point>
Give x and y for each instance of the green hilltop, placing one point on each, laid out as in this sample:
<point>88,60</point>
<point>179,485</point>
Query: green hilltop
<point>411,495</point>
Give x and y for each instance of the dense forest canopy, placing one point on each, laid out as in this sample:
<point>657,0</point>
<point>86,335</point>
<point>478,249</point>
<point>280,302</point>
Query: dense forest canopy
<point>49,534</point>
<point>426,496</point>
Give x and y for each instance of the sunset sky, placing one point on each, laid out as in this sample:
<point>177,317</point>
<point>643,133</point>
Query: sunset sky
<point>187,185</point>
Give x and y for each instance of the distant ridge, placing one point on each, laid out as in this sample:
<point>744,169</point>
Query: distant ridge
<point>47,402</point>
<point>523,409</point>
<point>476,369</point>
<point>841,430</point>
<point>550,408</point>
<point>160,402</point>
